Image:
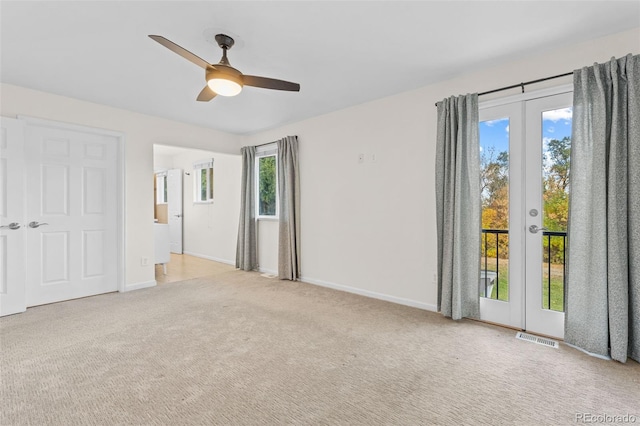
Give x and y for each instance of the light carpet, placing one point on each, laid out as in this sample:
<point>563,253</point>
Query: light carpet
<point>241,349</point>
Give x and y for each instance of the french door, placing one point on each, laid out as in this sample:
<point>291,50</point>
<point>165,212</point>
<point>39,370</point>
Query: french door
<point>525,157</point>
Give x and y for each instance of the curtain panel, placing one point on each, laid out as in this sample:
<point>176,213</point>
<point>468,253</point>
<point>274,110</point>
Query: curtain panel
<point>458,210</point>
<point>247,246</point>
<point>603,271</point>
<point>289,209</point>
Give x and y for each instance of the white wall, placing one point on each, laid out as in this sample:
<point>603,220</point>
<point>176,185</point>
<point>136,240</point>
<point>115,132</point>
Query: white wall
<point>211,229</point>
<point>370,228</point>
<point>162,162</point>
<point>141,133</point>
<point>268,246</point>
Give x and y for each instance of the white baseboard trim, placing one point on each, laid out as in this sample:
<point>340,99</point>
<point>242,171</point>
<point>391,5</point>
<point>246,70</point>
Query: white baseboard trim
<point>267,271</point>
<point>140,285</point>
<point>215,259</point>
<point>605,357</point>
<point>372,294</point>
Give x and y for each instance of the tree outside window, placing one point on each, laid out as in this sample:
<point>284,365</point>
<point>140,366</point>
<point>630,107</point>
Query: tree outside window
<point>267,186</point>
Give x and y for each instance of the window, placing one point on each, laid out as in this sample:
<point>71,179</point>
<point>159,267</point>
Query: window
<point>203,181</point>
<point>161,187</point>
<point>267,184</point>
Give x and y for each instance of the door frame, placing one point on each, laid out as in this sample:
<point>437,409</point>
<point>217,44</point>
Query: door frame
<point>506,315</point>
<point>120,183</point>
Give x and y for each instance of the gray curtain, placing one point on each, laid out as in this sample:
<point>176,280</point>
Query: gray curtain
<point>603,276</point>
<point>289,209</point>
<point>247,246</point>
<point>458,206</point>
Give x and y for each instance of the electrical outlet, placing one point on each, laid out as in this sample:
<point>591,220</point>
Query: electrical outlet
<point>144,261</point>
<point>374,158</point>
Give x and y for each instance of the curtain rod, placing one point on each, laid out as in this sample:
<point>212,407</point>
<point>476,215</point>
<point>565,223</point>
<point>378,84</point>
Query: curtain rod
<point>513,86</point>
<point>268,143</point>
<point>263,144</point>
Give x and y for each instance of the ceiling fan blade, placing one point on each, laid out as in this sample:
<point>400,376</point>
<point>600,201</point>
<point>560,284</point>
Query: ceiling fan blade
<point>270,83</point>
<point>181,51</point>
<point>206,94</point>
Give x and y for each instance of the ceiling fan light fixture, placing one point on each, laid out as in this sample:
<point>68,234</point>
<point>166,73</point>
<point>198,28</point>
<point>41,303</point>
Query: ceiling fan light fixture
<point>224,87</point>
<point>222,78</point>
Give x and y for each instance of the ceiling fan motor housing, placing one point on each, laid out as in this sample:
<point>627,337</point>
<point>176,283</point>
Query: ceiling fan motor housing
<point>225,72</point>
<point>222,78</point>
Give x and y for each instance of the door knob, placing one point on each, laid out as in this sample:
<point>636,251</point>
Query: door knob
<point>13,226</point>
<point>35,224</point>
<point>534,229</point>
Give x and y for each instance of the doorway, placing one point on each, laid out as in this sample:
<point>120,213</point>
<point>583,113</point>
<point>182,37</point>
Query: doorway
<point>525,157</point>
<point>210,202</point>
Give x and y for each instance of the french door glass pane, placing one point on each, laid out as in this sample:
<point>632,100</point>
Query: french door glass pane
<point>494,167</point>
<point>556,149</point>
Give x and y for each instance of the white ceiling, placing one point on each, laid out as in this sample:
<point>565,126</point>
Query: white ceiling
<point>342,53</point>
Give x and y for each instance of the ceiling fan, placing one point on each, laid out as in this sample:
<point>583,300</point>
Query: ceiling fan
<point>222,79</point>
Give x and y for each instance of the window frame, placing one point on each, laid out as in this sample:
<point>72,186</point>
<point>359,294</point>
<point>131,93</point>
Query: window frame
<point>258,156</point>
<point>198,167</point>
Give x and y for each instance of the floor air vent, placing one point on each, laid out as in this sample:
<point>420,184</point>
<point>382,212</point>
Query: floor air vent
<point>536,339</point>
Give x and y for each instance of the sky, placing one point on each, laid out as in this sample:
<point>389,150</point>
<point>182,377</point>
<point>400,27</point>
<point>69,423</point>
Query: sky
<point>556,124</point>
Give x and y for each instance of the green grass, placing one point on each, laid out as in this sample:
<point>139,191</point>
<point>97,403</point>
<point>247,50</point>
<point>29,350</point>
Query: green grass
<point>557,294</point>
<point>501,291</point>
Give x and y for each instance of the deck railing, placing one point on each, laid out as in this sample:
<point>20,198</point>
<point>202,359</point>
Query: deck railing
<point>495,244</point>
<point>487,279</point>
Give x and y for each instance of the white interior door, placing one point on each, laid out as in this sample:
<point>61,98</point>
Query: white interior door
<point>174,209</point>
<point>524,155</point>
<point>12,230</point>
<point>71,213</point>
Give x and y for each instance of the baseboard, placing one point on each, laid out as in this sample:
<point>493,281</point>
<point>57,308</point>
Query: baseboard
<point>215,259</point>
<point>372,294</point>
<point>140,285</point>
<point>605,357</point>
<point>267,271</point>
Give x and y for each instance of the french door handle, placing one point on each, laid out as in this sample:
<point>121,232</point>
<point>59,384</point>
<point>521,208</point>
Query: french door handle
<point>35,224</point>
<point>13,226</point>
<point>534,229</point>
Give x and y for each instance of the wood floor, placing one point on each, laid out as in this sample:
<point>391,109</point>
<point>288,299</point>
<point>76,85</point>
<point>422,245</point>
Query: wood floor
<point>184,267</point>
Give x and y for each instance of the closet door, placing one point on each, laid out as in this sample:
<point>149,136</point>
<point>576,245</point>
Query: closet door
<point>71,212</point>
<point>12,230</point>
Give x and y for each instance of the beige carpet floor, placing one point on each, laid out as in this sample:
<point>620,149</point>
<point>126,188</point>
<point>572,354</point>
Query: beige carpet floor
<point>237,348</point>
